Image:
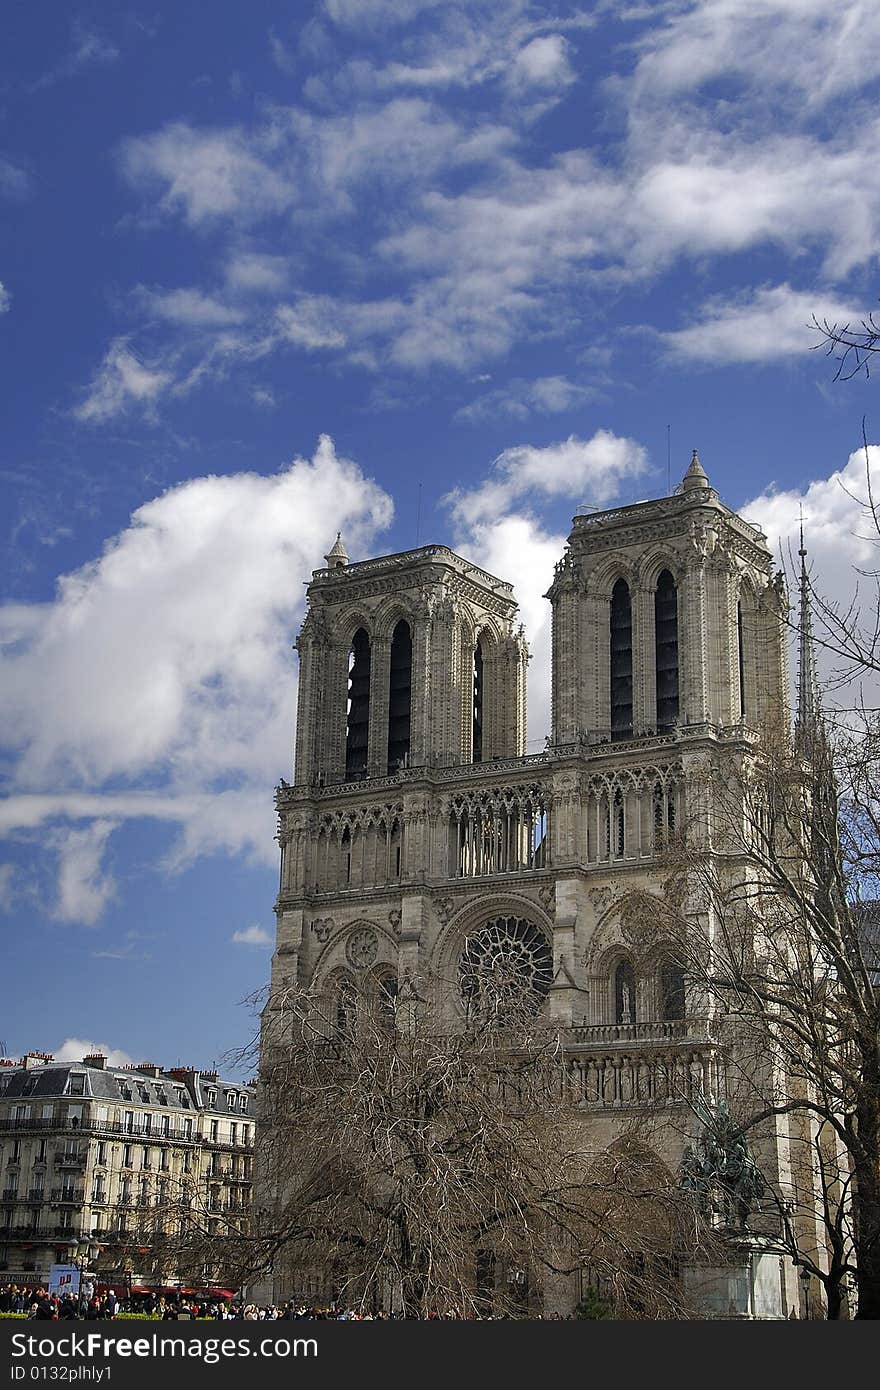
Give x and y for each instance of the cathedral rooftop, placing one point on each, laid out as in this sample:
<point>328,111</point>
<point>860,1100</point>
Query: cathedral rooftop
<point>419,558</point>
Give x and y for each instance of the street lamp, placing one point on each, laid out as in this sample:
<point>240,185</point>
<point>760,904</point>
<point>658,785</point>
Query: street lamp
<point>82,1253</point>
<point>805,1280</point>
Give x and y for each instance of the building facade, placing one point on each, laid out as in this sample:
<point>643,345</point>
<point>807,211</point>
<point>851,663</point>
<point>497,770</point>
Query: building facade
<point>132,1157</point>
<point>418,835</point>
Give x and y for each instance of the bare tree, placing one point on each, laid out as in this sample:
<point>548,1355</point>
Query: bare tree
<point>444,1169</point>
<point>853,347</point>
<point>763,897</point>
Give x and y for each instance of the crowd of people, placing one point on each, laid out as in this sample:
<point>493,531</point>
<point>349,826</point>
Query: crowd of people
<point>37,1302</point>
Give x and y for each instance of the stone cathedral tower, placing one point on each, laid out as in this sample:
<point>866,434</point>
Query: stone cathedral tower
<point>418,833</point>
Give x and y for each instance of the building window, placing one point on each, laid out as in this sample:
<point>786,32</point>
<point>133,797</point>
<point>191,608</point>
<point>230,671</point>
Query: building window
<point>478,704</point>
<point>243,1101</point>
<point>505,969</point>
<point>102,1152</point>
<point>672,991</point>
<point>127,1156</point>
<point>214,1129</point>
<point>346,1009</point>
<point>129,1122</point>
<point>666,651</point>
<point>233,1134</point>
<point>624,993</point>
<point>76,1084</point>
<point>741,654</point>
<point>400,697</point>
<point>621,661</point>
<point>357,726</point>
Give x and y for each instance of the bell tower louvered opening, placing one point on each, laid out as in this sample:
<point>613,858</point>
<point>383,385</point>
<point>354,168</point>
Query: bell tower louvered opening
<point>400,698</point>
<point>477,753</point>
<point>666,651</point>
<point>621,662</point>
<point>357,728</point>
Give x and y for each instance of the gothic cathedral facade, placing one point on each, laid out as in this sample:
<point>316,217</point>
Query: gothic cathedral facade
<point>418,831</point>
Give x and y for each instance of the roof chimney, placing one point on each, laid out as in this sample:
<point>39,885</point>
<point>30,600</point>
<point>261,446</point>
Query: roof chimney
<point>95,1059</point>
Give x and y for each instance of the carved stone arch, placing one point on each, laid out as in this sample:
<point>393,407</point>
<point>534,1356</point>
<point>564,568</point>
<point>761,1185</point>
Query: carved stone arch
<point>474,912</point>
<point>385,939</point>
<point>487,630</point>
<point>390,612</point>
<point>651,565</point>
<point>610,934</point>
<point>337,982</point>
<point>348,623</point>
<point>603,578</point>
<point>639,1158</point>
<point>747,593</point>
<point>602,963</point>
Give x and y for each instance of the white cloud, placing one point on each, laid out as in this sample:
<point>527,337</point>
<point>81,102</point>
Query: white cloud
<point>783,50</point>
<point>84,888</point>
<point>206,174</point>
<point>377,14</point>
<point>15,183</point>
<point>256,272</point>
<point>168,659</point>
<point>75,1049</point>
<point>189,307</point>
<point>493,531</point>
<point>764,325</point>
<point>546,395</point>
<point>476,235</point>
<point>252,936</point>
<point>311,323</point>
<point>584,469</point>
<point>839,537</point>
<point>122,380</point>
<point>518,548</point>
<point>543,62</point>
<point>5,299</point>
<point>90,48</point>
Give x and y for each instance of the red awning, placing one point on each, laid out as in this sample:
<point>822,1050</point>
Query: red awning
<point>221,1293</point>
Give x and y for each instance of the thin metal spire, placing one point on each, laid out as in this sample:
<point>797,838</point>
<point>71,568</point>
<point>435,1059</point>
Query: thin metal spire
<point>809,714</point>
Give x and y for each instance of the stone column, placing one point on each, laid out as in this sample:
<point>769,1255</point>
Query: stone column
<point>644,660</point>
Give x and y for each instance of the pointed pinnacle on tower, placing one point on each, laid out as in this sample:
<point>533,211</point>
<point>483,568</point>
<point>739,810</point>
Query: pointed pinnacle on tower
<point>337,555</point>
<point>808,722</point>
<point>696,475</point>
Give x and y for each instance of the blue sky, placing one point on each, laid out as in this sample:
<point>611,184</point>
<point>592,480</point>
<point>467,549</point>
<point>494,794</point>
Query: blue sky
<point>419,271</point>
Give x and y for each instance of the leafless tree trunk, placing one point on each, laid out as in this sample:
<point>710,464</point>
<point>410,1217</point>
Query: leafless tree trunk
<point>447,1170</point>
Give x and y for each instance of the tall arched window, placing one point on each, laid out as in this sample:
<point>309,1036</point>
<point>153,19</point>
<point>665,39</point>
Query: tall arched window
<point>386,1000</point>
<point>742,667</point>
<point>672,993</point>
<point>666,651</point>
<point>400,697</point>
<point>346,1009</point>
<point>478,704</point>
<point>624,993</point>
<point>357,727</point>
<point>621,662</point>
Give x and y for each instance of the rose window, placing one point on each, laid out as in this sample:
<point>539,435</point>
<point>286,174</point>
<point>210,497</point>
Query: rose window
<point>506,967</point>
